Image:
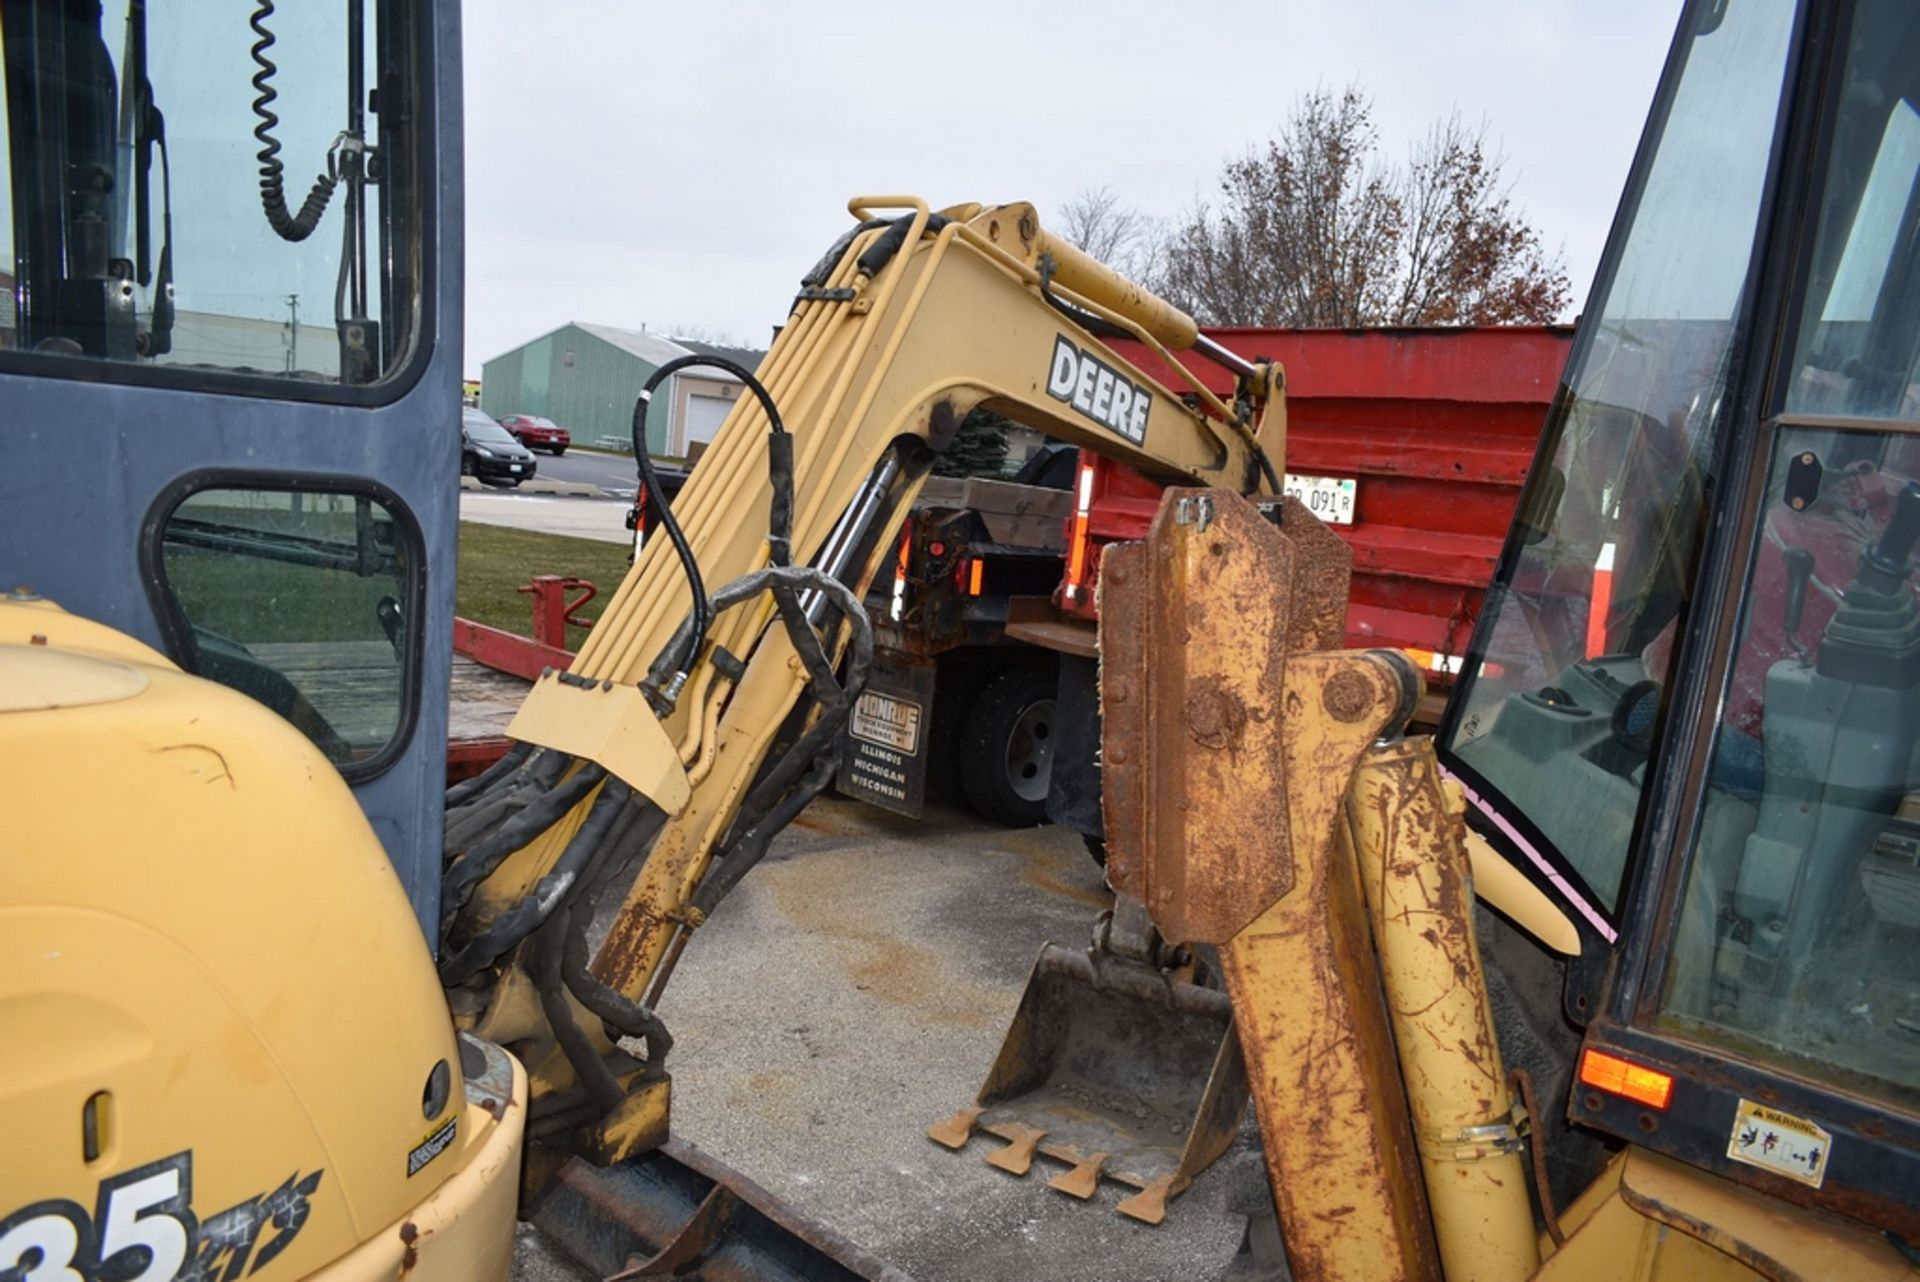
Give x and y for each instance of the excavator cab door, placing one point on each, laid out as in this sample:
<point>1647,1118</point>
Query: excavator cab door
<point>1693,702</point>
<point>229,309</point>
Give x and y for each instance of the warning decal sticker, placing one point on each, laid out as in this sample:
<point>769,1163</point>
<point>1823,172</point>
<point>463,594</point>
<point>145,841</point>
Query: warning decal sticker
<point>1779,1142</point>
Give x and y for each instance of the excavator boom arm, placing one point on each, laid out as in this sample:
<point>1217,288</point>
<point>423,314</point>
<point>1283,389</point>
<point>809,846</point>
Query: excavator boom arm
<point>911,323</point>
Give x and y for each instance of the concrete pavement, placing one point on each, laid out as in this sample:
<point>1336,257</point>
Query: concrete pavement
<point>547,513</point>
<point>851,992</point>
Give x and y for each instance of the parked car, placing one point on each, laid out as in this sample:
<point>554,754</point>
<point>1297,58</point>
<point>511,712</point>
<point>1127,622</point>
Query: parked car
<point>538,433</point>
<point>489,452</point>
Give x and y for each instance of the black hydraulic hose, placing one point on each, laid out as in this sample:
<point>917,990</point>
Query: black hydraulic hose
<point>546,767</point>
<point>1266,465</point>
<point>822,271</point>
<point>273,198</point>
<point>799,578</point>
<point>628,1017</point>
<point>681,653</point>
<point>769,805</point>
<point>600,1083</point>
<point>473,823</point>
<point>464,791</point>
<point>538,769</point>
<point>533,908</point>
<point>889,242</point>
<point>480,862</point>
<point>741,857</point>
<point>657,500</point>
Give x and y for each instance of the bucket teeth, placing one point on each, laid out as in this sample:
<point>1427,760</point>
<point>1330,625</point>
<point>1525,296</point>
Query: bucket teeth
<point>1149,1205</point>
<point>1083,1179</point>
<point>1017,1157</point>
<point>956,1130</point>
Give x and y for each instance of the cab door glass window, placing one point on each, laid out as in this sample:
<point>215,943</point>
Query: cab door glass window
<point>1799,934</point>
<point>204,187</point>
<point>1858,351</point>
<point>303,601</point>
<point>1555,714</point>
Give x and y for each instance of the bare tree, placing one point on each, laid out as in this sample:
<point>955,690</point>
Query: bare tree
<point>1116,234</point>
<point>1316,230</point>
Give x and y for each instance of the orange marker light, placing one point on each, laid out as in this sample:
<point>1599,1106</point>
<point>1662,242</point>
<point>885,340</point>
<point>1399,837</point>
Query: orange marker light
<point>898,607</point>
<point>1077,540</point>
<point>1626,1079</point>
<point>977,575</point>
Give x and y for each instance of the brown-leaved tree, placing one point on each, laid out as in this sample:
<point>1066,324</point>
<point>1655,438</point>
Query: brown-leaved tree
<point>1318,230</point>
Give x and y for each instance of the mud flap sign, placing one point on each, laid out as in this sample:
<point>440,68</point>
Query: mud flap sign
<point>883,752</point>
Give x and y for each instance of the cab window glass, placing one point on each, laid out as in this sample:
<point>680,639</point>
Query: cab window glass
<point>1858,351</point>
<point>1799,934</point>
<point>185,187</point>
<point>303,601</point>
<point>1577,641</point>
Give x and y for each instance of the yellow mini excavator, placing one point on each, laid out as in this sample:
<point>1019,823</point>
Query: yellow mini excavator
<point>224,658</point>
<point>266,996</point>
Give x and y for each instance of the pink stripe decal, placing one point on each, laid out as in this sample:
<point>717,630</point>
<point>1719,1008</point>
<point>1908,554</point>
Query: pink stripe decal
<point>1526,847</point>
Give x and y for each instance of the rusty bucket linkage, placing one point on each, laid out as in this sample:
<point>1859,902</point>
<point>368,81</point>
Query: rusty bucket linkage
<point>1117,1062</point>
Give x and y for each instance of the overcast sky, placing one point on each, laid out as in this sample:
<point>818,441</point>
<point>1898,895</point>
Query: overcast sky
<point>681,165</point>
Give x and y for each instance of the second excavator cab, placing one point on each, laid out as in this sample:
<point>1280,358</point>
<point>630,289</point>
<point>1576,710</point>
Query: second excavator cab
<point>1693,703</point>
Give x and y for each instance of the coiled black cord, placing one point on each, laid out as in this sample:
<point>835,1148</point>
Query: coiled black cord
<point>273,197</point>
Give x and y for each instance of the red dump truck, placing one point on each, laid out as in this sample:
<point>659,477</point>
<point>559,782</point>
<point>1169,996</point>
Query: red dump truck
<point>1411,443</point>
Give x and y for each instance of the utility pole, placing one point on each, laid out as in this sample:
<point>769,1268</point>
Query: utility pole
<point>293,332</point>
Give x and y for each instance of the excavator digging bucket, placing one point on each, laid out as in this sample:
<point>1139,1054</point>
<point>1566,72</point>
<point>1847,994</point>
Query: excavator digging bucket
<point>1115,1068</point>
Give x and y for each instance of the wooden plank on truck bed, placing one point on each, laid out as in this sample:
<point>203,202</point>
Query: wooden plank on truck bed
<point>1035,620</point>
<point>1016,515</point>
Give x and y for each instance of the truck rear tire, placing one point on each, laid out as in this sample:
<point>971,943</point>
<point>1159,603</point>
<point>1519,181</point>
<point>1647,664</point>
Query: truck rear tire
<point>1006,746</point>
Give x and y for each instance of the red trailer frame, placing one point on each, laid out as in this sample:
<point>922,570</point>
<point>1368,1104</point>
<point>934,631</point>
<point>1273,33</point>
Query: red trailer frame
<point>1436,427</point>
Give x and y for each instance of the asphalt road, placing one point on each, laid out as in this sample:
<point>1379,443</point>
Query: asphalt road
<point>613,473</point>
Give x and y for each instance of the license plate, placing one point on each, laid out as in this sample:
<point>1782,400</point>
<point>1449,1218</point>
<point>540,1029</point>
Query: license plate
<point>1330,498</point>
<point>514,468</point>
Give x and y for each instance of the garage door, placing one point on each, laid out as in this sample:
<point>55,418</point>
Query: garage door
<point>704,416</point>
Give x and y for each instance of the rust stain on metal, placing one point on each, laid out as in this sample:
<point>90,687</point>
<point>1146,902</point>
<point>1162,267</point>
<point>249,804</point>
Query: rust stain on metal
<point>1215,716</point>
<point>1320,1061</point>
<point>1193,697</point>
<point>1227,765</point>
<point>1779,1236</point>
<point>410,1235</point>
<point>1347,696</point>
<point>1322,577</point>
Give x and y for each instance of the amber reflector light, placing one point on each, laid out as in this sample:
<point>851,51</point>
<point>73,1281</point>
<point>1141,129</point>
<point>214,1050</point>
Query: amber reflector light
<point>1626,1079</point>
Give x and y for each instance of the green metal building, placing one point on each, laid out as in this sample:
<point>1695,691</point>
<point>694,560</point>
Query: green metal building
<point>585,378</point>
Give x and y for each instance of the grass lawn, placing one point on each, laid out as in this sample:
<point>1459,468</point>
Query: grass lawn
<point>495,561</point>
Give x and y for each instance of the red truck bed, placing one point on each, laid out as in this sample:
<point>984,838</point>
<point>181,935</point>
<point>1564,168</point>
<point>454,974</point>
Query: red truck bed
<point>1437,427</point>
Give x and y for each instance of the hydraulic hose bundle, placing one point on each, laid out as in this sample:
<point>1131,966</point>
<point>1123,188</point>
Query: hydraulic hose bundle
<point>530,790</point>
